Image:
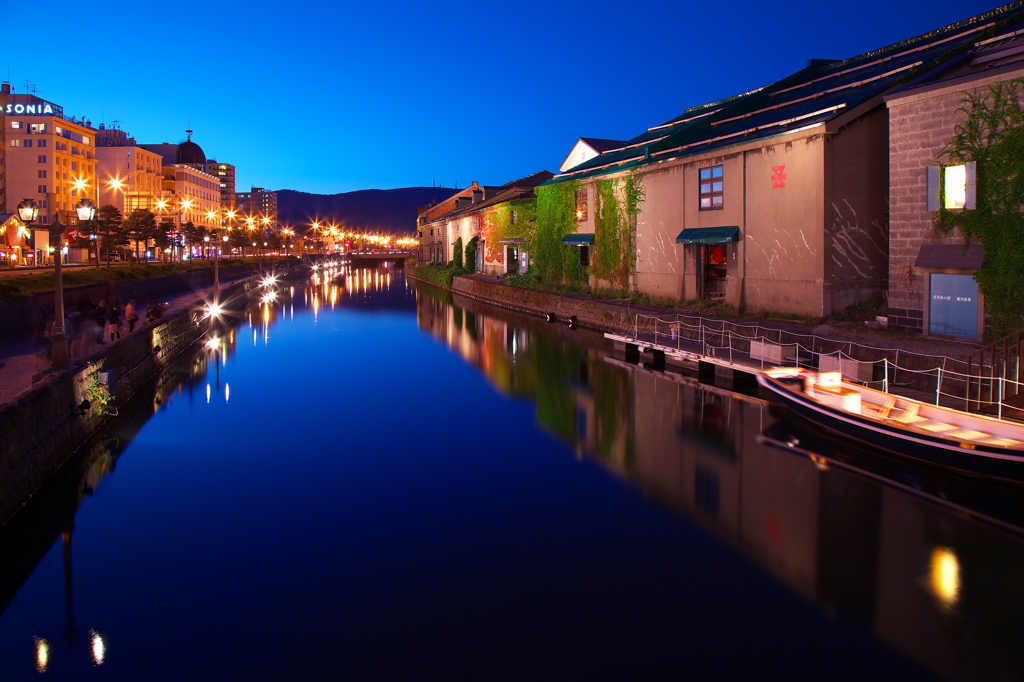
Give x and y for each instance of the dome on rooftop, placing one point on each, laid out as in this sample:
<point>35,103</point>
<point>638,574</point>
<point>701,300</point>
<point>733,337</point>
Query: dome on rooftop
<point>190,153</point>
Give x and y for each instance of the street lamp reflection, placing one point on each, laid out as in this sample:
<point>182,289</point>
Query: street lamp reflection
<point>945,576</point>
<point>42,654</point>
<point>99,647</point>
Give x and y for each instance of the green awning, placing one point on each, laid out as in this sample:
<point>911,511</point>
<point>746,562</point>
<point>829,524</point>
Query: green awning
<point>709,235</point>
<point>579,238</point>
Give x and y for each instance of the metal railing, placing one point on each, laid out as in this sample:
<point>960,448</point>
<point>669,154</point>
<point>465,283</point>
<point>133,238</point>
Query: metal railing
<point>980,383</point>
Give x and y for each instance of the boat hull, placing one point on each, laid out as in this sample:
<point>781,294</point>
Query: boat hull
<point>973,458</point>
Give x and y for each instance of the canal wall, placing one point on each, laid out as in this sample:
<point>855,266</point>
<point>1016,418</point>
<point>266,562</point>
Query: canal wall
<point>911,369</point>
<point>23,319</point>
<point>44,427</point>
<point>598,315</point>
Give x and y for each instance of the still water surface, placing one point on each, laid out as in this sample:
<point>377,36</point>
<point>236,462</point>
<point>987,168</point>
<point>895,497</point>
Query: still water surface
<point>363,480</point>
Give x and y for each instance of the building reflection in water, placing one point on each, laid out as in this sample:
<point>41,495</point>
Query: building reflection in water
<point>927,561</point>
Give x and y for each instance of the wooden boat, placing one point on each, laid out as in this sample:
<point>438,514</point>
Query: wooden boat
<point>937,435</point>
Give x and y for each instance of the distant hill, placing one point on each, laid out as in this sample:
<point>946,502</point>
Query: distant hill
<point>370,210</point>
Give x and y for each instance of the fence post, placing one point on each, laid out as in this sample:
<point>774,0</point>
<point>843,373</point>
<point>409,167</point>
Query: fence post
<point>1002,389</point>
<point>885,375</point>
<point>938,385</point>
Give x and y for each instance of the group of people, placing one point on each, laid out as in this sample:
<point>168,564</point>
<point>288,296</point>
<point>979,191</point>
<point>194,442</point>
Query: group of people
<point>93,323</point>
<point>108,317</point>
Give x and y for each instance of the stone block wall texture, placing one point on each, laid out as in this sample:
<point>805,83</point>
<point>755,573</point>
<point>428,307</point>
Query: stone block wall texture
<point>920,126</point>
<point>45,426</point>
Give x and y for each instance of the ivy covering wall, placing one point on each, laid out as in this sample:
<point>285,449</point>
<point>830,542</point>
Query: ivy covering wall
<point>613,256</point>
<point>471,248</point>
<point>498,224</point>
<point>457,254</point>
<point>993,136</point>
<point>556,218</point>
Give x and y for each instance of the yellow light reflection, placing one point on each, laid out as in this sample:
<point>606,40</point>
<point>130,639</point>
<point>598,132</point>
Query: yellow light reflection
<point>42,654</point>
<point>207,394</point>
<point>99,647</point>
<point>227,393</point>
<point>945,576</point>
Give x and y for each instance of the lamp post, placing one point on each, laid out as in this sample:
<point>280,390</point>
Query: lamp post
<point>216,274</point>
<point>60,348</point>
<point>86,211</point>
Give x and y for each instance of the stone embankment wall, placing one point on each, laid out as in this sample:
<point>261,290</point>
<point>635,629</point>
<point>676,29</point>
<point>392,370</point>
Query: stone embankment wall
<point>599,315</point>
<point>622,317</point>
<point>22,319</point>
<point>48,423</point>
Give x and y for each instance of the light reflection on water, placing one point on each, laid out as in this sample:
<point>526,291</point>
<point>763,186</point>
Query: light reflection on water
<point>365,480</point>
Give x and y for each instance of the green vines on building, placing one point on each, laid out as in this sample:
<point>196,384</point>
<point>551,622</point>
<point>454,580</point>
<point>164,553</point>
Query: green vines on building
<point>992,135</point>
<point>471,248</point>
<point>556,218</point>
<point>619,201</point>
<point>516,218</point>
<point>457,253</point>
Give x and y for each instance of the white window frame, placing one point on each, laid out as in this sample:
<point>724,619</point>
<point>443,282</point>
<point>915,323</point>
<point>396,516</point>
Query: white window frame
<point>936,188</point>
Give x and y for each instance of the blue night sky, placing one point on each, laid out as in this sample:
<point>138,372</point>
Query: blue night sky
<point>332,98</point>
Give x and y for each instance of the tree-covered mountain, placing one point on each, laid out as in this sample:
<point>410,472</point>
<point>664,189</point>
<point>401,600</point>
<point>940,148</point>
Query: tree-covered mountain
<point>390,211</point>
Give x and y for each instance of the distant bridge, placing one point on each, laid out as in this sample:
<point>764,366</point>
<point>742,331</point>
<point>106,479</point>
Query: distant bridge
<point>379,255</point>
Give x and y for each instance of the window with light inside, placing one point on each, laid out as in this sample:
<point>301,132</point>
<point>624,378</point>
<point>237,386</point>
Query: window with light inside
<point>954,181</point>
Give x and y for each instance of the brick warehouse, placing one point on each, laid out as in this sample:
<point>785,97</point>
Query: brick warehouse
<point>931,284</point>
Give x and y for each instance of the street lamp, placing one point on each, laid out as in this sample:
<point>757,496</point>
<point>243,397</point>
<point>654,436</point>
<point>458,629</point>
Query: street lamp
<point>60,348</point>
<point>86,211</point>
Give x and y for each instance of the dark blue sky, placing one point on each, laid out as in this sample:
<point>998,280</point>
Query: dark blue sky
<point>331,98</point>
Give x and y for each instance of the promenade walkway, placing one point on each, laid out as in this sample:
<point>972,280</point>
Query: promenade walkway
<point>20,361</point>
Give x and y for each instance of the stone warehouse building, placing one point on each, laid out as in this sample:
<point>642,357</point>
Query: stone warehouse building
<point>777,198</point>
<point>931,278</point>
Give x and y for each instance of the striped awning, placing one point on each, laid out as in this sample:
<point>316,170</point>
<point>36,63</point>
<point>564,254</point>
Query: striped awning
<point>709,235</point>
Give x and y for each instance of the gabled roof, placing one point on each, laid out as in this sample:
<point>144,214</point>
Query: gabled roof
<point>521,188</point>
<point>596,146</point>
<point>530,180</point>
<point>823,92</point>
<point>600,145</point>
<point>1001,54</point>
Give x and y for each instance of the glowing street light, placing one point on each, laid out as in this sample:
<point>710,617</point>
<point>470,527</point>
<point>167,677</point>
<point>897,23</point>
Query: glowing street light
<point>86,211</point>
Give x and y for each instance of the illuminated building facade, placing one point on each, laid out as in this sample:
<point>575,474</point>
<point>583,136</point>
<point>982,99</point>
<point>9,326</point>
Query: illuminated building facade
<point>46,156</point>
<point>190,193</point>
<point>774,199</point>
<point>130,177</point>
<point>225,174</point>
<point>260,205</point>
<point>433,222</point>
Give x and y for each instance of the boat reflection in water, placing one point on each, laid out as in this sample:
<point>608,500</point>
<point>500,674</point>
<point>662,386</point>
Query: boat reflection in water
<point>928,561</point>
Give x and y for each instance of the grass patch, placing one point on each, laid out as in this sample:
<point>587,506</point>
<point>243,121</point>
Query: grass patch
<point>441,275</point>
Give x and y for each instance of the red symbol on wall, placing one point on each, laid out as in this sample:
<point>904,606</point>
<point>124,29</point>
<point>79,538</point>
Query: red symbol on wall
<point>779,178</point>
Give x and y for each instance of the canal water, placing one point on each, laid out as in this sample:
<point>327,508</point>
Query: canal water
<point>362,479</point>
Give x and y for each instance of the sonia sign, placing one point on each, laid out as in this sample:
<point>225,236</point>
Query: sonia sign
<point>41,108</point>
